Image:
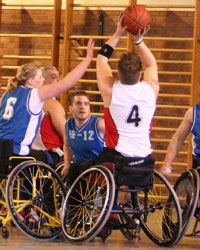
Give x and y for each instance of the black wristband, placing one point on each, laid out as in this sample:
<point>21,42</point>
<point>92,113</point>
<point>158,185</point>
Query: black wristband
<point>106,50</point>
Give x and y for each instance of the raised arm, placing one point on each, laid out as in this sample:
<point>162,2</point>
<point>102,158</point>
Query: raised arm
<point>51,90</point>
<point>177,141</point>
<point>148,60</point>
<point>104,73</point>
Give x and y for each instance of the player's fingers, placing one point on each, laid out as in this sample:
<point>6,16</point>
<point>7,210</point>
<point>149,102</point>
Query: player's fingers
<point>121,16</point>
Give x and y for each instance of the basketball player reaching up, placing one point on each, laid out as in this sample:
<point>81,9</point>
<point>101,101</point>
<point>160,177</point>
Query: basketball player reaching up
<point>129,103</point>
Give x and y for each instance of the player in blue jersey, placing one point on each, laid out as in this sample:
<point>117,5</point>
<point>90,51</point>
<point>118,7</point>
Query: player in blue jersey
<point>189,124</point>
<point>21,105</point>
<point>84,133</point>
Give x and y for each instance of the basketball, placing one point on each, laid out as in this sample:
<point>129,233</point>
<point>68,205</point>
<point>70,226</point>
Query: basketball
<point>136,17</point>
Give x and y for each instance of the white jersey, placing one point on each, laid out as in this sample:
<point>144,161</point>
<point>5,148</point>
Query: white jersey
<point>128,119</point>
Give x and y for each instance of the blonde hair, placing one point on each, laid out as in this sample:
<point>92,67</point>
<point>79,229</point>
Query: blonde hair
<point>25,72</point>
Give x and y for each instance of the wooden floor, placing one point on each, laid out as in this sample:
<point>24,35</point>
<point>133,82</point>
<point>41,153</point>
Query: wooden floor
<point>115,241</point>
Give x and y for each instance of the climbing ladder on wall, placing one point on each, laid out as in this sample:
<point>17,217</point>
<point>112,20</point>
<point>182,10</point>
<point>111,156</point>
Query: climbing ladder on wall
<point>51,59</point>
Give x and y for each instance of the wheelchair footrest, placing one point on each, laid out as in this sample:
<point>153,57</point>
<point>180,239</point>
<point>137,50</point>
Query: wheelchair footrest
<point>194,234</point>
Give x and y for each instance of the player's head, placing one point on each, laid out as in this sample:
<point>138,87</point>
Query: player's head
<point>29,75</point>
<point>50,74</point>
<point>129,68</point>
<point>79,105</point>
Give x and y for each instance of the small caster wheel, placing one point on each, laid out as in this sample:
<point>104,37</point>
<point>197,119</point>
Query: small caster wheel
<point>137,241</point>
<point>5,233</point>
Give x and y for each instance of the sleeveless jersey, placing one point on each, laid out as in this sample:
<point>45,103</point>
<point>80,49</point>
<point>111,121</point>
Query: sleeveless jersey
<point>196,130</point>
<point>85,142</point>
<point>20,116</point>
<point>38,143</point>
<point>49,135</point>
<point>128,119</point>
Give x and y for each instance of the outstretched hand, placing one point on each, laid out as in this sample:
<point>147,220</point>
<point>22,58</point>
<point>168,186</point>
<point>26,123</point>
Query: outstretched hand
<point>120,28</point>
<point>90,48</point>
<point>137,37</point>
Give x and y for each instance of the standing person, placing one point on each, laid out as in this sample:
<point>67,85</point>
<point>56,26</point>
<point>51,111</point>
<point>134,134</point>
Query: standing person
<point>50,137</point>
<point>85,133</point>
<point>21,105</point>
<point>129,103</point>
<point>189,124</point>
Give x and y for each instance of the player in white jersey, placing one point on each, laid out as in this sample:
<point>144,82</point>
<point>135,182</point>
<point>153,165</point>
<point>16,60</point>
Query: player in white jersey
<point>130,102</point>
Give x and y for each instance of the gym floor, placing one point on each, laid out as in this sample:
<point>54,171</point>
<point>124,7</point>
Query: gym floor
<point>116,241</point>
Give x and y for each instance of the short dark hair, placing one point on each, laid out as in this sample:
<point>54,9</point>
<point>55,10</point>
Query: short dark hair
<point>76,93</point>
<point>47,68</point>
<point>129,68</point>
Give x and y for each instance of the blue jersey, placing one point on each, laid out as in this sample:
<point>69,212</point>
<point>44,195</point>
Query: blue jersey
<point>85,142</point>
<point>196,130</point>
<point>20,116</point>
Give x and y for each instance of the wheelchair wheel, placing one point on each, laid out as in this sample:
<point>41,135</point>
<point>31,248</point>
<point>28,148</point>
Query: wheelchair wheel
<point>187,191</point>
<point>88,204</point>
<point>59,167</point>
<point>34,194</point>
<point>162,221</point>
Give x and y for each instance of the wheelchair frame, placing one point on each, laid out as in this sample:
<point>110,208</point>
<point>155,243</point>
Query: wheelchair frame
<point>5,216</point>
<point>87,211</point>
<point>43,184</point>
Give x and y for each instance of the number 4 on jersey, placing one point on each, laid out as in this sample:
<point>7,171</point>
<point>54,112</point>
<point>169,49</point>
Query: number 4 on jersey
<point>134,116</point>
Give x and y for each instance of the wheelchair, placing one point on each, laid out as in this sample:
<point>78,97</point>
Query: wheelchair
<point>32,194</point>
<point>187,190</point>
<point>92,207</point>
<point>59,167</point>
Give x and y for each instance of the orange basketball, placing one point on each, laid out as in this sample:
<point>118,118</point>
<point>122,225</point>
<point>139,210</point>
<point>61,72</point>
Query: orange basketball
<point>136,17</point>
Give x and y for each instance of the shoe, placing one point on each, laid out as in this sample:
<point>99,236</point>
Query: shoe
<point>34,215</point>
<point>23,215</point>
